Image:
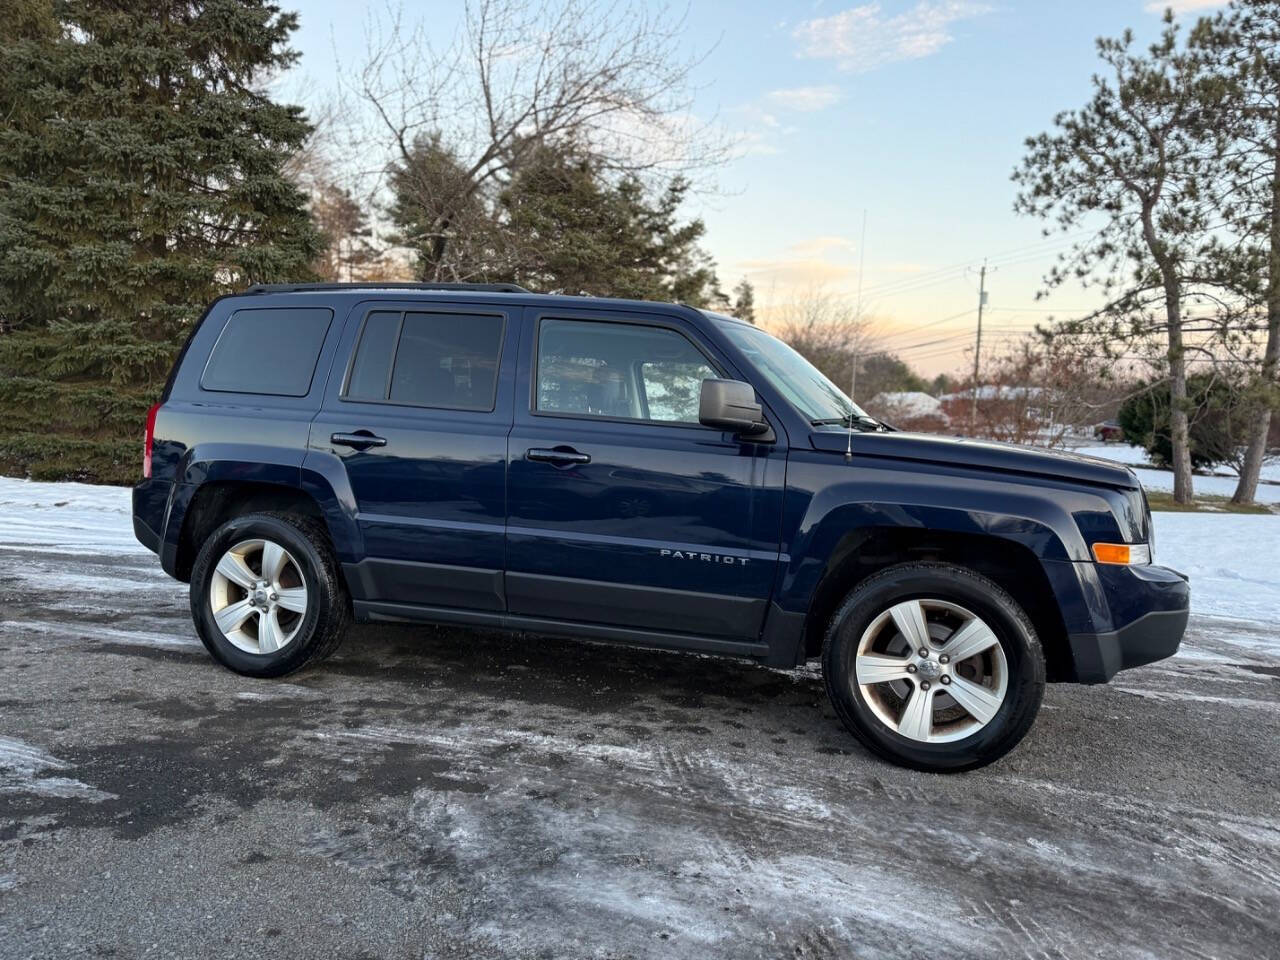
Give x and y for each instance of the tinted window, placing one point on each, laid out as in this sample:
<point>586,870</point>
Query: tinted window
<point>268,351</point>
<point>447,360</point>
<point>372,365</point>
<point>619,370</point>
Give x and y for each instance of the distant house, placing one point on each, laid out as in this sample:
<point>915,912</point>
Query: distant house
<point>992,392</point>
<point>1014,413</point>
<point>910,410</point>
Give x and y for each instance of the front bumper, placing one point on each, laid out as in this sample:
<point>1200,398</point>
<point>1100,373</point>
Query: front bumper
<point>1153,636</point>
<point>1149,607</point>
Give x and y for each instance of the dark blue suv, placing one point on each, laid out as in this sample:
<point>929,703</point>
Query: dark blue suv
<point>636,472</point>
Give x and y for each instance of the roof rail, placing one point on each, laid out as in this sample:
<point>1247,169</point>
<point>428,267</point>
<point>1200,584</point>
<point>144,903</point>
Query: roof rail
<point>379,285</point>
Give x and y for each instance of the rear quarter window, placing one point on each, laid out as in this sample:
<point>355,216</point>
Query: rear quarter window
<point>270,351</point>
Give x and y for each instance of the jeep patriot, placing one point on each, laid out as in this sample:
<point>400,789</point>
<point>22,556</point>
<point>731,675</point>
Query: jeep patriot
<point>640,473</point>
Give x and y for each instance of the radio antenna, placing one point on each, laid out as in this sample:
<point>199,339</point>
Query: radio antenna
<point>849,435</point>
<point>853,377</point>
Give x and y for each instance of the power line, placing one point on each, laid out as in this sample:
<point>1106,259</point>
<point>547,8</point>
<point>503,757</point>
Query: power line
<point>931,323</point>
<point>1012,257</point>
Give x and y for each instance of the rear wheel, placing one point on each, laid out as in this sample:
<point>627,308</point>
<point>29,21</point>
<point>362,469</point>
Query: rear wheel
<point>934,667</point>
<point>266,596</point>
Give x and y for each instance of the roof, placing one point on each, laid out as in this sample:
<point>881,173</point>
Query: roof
<point>467,287</point>
<point>449,291</point>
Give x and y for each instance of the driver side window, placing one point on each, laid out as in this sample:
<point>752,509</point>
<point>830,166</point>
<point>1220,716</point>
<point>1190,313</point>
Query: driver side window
<point>619,370</point>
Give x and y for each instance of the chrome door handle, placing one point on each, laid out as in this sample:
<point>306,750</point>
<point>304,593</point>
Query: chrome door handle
<point>360,440</point>
<point>558,455</point>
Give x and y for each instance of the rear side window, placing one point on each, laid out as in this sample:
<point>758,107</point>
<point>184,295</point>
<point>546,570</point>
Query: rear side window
<point>269,351</point>
<point>443,360</point>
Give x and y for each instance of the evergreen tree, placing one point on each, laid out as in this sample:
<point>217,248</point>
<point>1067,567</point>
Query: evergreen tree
<point>344,224</point>
<point>744,301</point>
<point>1128,168</point>
<point>445,221</point>
<point>569,230</point>
<point>140,177</point>
<point>888,373</point>
<point>558,226</point>
<point>1241,46</point>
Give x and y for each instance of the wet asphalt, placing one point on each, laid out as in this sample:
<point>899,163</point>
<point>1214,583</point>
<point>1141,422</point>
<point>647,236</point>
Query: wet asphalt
<point>434,793</point>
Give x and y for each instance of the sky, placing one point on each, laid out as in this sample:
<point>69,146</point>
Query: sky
<point>910,113</point>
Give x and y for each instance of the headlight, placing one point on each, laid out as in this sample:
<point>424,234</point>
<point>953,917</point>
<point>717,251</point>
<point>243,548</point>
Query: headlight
<point>1122,553</point>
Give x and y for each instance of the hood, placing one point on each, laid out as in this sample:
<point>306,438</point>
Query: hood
<point>980,454</point>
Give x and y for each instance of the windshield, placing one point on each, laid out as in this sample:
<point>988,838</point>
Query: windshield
<point>820,400</point>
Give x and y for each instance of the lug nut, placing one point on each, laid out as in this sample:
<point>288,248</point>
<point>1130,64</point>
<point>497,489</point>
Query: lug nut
<point>945,681</point>
<point>944,659</point>
<point>275,597</point>
<point>924,685</point>
<point>924,652</point>
<point>911,668</point>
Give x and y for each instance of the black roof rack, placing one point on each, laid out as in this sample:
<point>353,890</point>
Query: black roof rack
<point>379,285</point>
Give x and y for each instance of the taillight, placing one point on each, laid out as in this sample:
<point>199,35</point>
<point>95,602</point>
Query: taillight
<point>149,441</point>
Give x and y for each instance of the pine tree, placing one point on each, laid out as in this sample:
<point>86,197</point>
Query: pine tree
<point>341,218</point>
<point>1242,47</point>
<point>140,177</point>
<point>1127,169</point>
<point>564,227</point>
<point>744,301</point>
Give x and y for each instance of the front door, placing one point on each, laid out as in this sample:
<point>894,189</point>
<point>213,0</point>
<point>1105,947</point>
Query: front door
<point>622,509</point>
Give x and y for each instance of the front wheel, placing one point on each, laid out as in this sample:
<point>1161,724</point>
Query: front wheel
<point>934,667</point>
<point>266,595</point>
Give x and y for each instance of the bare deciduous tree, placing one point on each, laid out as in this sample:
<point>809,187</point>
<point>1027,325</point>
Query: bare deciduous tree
<point>518,75</point>
<point>830,332</point>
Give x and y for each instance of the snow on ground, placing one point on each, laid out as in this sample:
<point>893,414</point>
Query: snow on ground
<point>77,518</point>
<point>1221,484</point>
<point>1233,561</point>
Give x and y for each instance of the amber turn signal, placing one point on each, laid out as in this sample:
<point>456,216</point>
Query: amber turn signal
<point>1125,553</point>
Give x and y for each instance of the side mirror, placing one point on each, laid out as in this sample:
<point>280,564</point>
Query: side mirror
<point>731,405</point>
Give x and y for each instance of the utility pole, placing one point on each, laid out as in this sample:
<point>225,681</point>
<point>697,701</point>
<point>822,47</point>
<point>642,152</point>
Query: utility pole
<point>977,347</point>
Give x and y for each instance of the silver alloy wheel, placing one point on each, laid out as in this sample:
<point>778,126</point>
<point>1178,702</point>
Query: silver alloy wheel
<point>258,596</point>
<point>931,670</point>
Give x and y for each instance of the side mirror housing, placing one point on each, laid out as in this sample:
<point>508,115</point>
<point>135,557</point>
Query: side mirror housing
<point>731,405</point>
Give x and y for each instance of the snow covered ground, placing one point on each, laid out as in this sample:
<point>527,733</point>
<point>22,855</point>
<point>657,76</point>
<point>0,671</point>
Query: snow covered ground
<point>1233,561</point>
<point>1221,484</point>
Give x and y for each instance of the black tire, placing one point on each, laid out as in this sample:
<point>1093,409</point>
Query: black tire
<point>958,585</point>
<point>328,607</point>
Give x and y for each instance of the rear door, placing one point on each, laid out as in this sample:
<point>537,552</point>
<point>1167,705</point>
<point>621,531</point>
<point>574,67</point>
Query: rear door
<point>623,510</point>
<point>419,419</point>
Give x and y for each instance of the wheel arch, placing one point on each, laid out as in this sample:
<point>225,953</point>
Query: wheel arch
<point>1012,565</point>
<point>217,501</point>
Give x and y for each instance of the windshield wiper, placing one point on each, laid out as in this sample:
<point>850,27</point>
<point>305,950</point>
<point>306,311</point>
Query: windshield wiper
<point>859,422</point>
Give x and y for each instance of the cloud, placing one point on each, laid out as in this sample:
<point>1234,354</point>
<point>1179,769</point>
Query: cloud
<point>861,38</point>
<point>820,245</point>
<point>1183,6</point>
<point>792,273</point>
<point>805,99</point>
